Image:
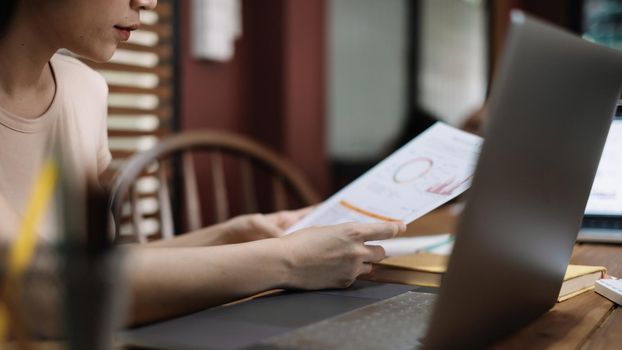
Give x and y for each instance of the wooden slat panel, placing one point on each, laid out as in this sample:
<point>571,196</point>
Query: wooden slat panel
<point>164,31</point>
<point>164,9</point>
<point>161,91</point>
<point>165,52</point>
<point>162,70</point>
<point>122,133</point>
<point>219,187</point>
<point>163,112</point>
<point>191,193</point>
<point>163,48</point>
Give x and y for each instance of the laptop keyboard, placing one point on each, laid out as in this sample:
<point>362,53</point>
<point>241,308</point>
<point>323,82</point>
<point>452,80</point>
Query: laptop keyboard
<point>395,323</point>
<point>604,224</point>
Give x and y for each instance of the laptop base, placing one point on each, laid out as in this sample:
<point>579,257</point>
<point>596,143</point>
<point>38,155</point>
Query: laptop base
<point>396,323</point>
<point>600,235</point>
<point>241,325</point>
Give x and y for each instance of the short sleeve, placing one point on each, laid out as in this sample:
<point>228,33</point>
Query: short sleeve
<point>104,157</point>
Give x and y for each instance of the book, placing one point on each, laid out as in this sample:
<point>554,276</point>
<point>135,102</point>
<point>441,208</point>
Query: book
<point>422,269</point>
<point>426,269</point>
<point>579,279</point>
<point>610,289</point>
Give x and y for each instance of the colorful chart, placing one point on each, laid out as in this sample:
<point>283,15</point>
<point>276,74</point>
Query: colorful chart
<point>448,187</point>
<point>413,170</point>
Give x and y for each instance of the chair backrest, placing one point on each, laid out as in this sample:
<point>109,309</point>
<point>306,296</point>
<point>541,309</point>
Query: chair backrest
<point>239,170</point>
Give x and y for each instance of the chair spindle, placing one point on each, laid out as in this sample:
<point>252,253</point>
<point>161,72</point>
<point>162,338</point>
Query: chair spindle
<point>191,193</point>
<point>219,186</point>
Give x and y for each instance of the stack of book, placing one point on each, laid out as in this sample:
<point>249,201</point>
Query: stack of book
<point>425,269</point>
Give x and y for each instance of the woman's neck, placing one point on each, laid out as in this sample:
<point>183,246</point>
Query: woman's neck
<point>27,84</point>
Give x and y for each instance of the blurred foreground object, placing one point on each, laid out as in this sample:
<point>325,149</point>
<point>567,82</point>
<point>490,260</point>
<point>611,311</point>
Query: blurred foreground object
<point>603,22</point>
<point>94,297</point>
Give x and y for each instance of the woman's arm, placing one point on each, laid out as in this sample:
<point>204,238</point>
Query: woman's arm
<point>171,281</point>
<point>244,228</point>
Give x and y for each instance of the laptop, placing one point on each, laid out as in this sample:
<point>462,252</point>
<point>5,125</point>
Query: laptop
<point>550,111</point>
<point>603,213</point>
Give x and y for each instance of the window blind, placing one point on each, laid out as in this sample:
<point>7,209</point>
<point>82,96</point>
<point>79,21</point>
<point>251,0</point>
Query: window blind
<point>140,77</point>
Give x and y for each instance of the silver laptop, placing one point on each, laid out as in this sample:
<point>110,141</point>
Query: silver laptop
<point>550,110</point>
<point>603,214</point>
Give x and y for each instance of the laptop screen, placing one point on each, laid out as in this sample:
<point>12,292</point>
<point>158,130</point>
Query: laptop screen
<point>606,195</point>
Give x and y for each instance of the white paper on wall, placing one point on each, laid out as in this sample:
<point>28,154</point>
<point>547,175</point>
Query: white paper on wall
<point>216,24</point>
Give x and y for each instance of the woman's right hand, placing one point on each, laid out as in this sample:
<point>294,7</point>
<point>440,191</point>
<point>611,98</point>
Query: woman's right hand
<point>334,256</point>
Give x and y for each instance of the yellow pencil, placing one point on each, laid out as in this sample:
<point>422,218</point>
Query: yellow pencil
<point>22,250</point>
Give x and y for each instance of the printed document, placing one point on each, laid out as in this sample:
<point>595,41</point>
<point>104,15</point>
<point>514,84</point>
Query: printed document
<point>430,170</point>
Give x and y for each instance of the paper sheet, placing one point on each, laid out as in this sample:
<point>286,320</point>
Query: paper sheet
<point>437,244</point>
<point>430,170</point>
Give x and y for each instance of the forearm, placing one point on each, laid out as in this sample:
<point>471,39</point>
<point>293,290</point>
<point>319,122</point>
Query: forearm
<point>168,282</point>
<point>207,236</point>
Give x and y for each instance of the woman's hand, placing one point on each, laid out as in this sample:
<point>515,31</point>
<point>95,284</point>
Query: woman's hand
<point>334,256</point>
<point>199,277</point>
<point>244,228</point>
<point>252,227</point>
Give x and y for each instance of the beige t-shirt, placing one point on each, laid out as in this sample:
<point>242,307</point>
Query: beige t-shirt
<point>74,124</point>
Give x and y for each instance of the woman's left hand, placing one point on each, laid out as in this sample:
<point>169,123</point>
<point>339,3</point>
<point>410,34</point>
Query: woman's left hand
<point>252,227</point>
<point>244,228</point>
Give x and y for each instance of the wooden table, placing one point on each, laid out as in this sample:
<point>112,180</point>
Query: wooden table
<point>587,321</point>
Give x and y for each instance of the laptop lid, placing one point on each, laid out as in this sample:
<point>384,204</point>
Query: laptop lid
<point>549,113</point>
<point>605,201</point>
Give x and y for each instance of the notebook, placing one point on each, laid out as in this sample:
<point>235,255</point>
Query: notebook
<point>425,269</point>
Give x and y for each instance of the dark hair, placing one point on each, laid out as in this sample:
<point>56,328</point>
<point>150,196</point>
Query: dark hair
<point>7,9</point>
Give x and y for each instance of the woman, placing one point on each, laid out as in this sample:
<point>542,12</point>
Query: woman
<point>47,98</point>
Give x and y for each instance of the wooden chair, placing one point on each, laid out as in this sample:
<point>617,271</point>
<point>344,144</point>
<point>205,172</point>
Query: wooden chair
<point>225,158</point>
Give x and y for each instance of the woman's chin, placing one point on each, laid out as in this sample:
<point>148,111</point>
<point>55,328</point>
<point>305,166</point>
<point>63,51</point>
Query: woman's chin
<point>98,55</point>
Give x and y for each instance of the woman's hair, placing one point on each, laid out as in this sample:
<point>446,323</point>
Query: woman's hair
<point>7,9</point>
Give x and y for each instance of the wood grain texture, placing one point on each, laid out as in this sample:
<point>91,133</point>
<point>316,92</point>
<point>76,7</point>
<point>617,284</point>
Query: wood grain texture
<point>609,335</point>
<point>567,326</point>
<point>606,255</point>
<point>587,321</point>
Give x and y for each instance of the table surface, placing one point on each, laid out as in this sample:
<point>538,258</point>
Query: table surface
<point>587,321</point>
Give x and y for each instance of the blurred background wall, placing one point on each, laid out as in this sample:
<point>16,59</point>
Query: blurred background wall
<point>335,85</point>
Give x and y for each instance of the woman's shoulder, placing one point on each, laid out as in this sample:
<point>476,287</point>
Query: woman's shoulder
<point>78,74</point>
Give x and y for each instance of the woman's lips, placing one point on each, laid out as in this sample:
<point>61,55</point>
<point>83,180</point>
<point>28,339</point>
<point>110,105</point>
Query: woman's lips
<point>125,32</point>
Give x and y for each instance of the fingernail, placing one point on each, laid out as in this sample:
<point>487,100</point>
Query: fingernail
<point>402,226</point>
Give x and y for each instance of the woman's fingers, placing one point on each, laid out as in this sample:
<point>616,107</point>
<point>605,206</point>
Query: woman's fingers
<point>375,231</point>
<point>265,228</point>
<point>375,253</point>
<point>366,269</point>
<point>287,218</point>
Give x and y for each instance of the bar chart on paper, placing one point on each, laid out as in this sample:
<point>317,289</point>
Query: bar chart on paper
<point>430,170</point>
